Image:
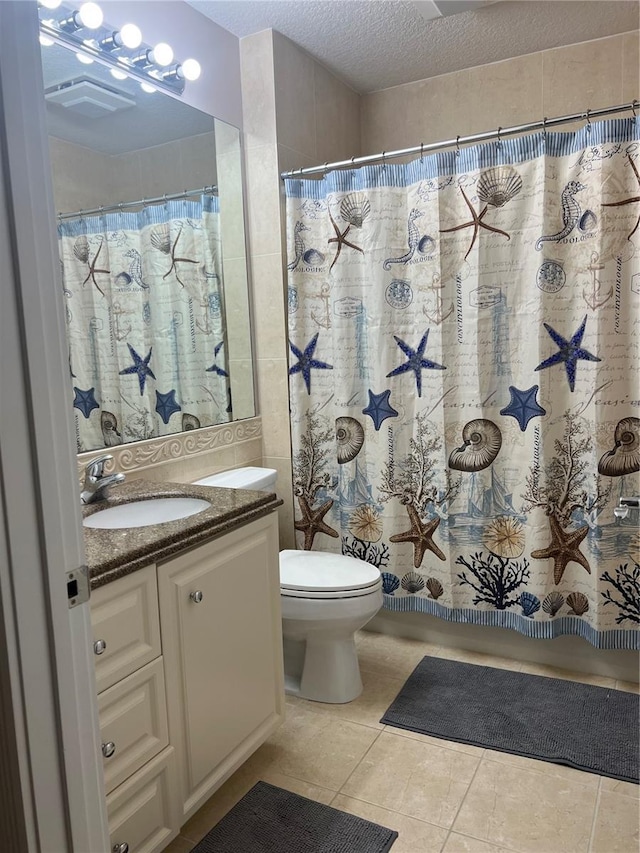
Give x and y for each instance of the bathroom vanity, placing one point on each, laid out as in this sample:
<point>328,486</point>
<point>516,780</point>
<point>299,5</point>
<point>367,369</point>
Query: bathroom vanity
<point>188,654</point>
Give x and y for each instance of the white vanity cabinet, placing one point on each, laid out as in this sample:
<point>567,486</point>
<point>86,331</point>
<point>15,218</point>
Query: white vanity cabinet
<point>188,658</point>
<point>222,643</point>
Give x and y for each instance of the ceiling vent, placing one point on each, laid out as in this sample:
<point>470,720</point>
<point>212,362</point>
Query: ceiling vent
<point>89,99</point>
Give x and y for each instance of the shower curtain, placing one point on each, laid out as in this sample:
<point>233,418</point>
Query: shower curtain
<point>145,321</point>
<point>464,383</point>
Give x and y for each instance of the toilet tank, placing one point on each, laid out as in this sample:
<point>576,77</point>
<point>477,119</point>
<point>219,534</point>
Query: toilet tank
<point>261,479</point>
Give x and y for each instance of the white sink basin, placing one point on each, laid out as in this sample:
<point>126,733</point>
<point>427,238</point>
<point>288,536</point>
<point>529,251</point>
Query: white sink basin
<point>144,513</point>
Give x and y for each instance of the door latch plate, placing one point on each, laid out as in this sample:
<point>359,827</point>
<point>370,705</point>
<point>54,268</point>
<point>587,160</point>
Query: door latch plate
<point>78,589</point>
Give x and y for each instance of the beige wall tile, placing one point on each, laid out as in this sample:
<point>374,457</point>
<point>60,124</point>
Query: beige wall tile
<point>582,76</point>
<point>268,307</point>
<point>413,778</point>
<point>631,66</point>
<point>294,94</point>
<point>629,686</point>
<point>274,406</point>
<point>527,811</point>
<point>284,491</point>
<point>337,110</point>
<point>617,827</point>
<point>263,183</point>
<point>501,94</point>
<point>414,836</point>
<point>258,89</point>
<point>248,453</point>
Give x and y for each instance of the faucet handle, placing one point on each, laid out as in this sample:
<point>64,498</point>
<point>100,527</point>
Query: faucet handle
<point>95,467</point>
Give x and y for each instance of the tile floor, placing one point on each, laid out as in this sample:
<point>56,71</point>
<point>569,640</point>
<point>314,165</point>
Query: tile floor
<point>441,797</point>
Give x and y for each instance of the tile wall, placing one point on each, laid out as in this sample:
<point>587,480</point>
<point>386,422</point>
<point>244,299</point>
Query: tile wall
<point>295,114</point>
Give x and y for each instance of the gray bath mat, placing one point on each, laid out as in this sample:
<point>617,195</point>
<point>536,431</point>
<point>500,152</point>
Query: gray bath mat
<point>270,820</point>
<point>565,722</point>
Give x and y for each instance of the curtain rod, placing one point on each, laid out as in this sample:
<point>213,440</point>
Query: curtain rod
<point>544,124</point>
<point>143,201</point>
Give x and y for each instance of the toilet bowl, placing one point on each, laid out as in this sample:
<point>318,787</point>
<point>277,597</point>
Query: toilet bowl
<point>325,599</point>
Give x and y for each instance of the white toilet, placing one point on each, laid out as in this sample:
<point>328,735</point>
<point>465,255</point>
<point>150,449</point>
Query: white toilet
<point>325,599</point>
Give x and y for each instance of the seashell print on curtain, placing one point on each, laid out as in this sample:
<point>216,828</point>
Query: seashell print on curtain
<point>465,390</point>
<point>145,325</point>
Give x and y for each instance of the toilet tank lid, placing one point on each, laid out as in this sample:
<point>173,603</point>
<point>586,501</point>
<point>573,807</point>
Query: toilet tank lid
<point>317,570</point>
<point>262,479</point>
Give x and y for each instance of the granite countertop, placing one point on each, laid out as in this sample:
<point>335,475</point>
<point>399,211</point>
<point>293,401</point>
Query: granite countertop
<point>113,553</point>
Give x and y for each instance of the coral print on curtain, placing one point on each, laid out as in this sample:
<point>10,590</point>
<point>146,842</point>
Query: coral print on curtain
<point>465,390</point>
<point>145,322</point>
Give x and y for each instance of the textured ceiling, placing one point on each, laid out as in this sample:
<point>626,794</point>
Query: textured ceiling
<point>374,44</point>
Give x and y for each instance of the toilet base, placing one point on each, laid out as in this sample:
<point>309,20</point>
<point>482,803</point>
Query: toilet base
<point>323,669</point>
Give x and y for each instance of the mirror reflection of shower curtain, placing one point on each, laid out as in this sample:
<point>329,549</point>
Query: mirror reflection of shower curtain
<point>464,378</point>
<point>145,322</point>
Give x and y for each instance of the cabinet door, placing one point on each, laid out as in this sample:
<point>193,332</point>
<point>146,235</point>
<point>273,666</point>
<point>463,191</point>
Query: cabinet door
<point>223,654</point>
<point>124,616</point>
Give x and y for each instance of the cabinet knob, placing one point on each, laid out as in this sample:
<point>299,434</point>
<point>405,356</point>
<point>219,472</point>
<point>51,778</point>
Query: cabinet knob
<point>108,749</point>
<point>121,848</point>
<point>99,646</point>
<point>196,596</point>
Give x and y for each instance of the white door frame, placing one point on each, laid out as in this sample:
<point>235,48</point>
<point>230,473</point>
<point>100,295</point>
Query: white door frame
<point>51,787</point>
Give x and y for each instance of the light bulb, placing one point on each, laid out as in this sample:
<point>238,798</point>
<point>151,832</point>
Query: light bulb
<point>162,54</point>
<point>190,69</point>
<point>146,87</point>
<point>50,4</point>
<point>130,36</point>
<point>82,57</point>
<point>90,15</point>
<point>45,41</point>
<point>119,75</point>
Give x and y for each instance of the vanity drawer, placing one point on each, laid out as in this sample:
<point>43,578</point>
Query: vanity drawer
<point>143,810</point>
<point>133,719</point>
<point>124,616</point>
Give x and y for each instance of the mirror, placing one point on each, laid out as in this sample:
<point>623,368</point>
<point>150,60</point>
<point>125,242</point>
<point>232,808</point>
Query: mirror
<point>152,249</point>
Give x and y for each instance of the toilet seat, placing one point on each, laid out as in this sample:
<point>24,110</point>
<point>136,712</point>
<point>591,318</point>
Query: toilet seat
<point>317,575</point>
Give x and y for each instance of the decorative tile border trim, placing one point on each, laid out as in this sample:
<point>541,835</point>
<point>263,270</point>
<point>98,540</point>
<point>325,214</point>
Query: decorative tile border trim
<point>143,454</point>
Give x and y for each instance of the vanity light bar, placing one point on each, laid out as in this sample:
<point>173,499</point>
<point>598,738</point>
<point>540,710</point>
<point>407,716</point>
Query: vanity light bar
<point>85,32</point>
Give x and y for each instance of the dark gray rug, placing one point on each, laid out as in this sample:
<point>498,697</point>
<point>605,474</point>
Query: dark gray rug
<point>565,722</point>
<point>270,820</point>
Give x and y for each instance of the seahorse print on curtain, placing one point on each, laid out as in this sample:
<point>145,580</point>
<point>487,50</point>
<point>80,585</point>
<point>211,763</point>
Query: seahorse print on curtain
<point>465,408</point>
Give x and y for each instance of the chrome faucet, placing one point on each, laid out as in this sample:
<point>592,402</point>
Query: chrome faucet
<point>95,482</point>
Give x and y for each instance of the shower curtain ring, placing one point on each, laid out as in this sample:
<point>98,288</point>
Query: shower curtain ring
<point>588,117</point>
<point>384,160</point>
<point>120,208</point>
<point>634,106</point>
<point>458,145</point>
<point>544,128</point>
<point>324,169</point>
<point>499,143</point>
<point>421,151</point>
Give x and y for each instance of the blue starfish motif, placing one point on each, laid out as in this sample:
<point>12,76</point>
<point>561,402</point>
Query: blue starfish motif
<point>523,406</point>
<point>570,352</point>
<point>166,405</point>
<point>214,367</point>
<point>379,408</point>
<point>306,361</point>
<point>140,366</point>
<point>85,401</point>
<point>415,361</point>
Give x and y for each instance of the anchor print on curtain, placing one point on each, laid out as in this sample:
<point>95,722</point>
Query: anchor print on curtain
<point>143,300</point>
<point>464,381</point>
